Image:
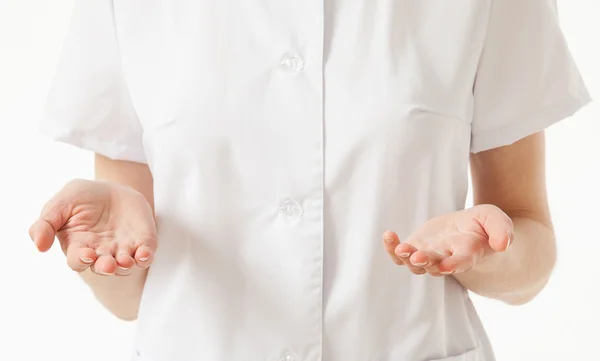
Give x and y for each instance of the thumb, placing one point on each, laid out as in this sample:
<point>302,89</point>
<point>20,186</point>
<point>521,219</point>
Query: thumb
<point>53,217</point>
<point>499,229</point>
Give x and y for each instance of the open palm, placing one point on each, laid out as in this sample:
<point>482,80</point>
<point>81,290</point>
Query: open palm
<point>454,242</point>
<point>104,226</point>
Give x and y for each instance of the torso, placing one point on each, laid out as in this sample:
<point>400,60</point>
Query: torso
<point>284,138</point>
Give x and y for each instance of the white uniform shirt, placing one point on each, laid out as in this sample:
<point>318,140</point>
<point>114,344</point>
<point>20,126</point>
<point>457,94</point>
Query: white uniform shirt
<point>285,137</point>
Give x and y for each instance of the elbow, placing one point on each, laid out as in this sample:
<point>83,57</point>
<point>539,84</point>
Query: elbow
<point>128,317</point>
<point>127,314</point>
<point>540,271</point>
<point>531,290</point>
<point>521,298</point>
<point>124,310</point>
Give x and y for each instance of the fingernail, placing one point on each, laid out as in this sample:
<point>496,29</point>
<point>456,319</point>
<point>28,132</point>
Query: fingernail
<point>420,264</point>
<point>403,255</point>
<point>143,259</point>
<point>447,273</point>
<point>86,260</point>
<point>389,240</point>
<point>510,240</point>
<point>124,271</point>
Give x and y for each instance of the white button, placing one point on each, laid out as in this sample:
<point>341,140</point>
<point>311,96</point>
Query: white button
<point>290,357</point>
<point>291,209</point>
<point>292,63</point>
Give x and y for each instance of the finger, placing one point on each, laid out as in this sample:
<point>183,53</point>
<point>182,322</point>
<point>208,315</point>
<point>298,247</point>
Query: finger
<point>425,258</point>
<point>54,216</point>
<point>80,258</point>
<point>465,250</point>
<point>143,256</point>
<point>390,242</point>
<point>405,250</point>
<point>124,258</point>
<point>104,266</point>
<point>433,271</point>
<point>457,263</point>
<point>428,260</point>
<point>107,248</point>
<point>42,234</point>
<point>500,230</point>
<point>417,270</point>
<point>106,263</point>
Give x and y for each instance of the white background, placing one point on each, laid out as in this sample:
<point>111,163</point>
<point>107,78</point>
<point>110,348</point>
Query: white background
<point>47,313</point>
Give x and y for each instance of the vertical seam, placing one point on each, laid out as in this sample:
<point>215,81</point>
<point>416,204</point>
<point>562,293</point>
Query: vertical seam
<point>323,33</point>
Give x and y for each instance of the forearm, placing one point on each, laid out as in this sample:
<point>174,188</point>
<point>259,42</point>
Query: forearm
<point>121,295</point>
<point>519,274</point>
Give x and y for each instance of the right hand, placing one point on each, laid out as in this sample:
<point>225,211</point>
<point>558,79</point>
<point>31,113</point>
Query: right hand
<point>103,226</point>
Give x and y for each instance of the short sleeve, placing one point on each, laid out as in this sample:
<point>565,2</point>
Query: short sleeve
<point>89,104</point>
<point>527,79</point>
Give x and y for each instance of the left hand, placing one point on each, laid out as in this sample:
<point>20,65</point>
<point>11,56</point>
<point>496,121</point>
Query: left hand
<point>453,243</point>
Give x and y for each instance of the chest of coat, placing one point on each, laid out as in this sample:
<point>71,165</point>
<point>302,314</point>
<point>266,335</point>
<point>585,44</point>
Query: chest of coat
<point>360,65</point>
